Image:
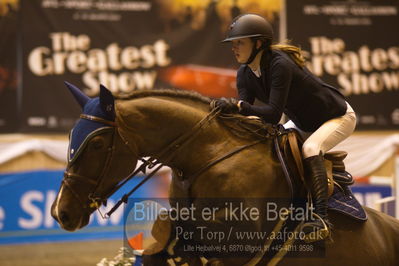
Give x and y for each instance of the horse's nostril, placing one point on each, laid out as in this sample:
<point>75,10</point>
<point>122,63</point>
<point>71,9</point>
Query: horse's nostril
<point>63,217</point>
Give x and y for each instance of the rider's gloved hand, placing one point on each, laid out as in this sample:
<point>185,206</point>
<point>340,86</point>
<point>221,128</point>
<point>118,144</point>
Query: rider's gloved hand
<point>244,107</point>
<point>226,105</point>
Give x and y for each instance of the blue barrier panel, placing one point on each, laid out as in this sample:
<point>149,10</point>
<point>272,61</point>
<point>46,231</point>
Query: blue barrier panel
<point>26,198</point>
<point>25,203</point>
<point>368,194</point>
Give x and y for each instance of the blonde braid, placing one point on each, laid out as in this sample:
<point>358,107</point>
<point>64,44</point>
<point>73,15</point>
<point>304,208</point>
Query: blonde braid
<point>293,51</point>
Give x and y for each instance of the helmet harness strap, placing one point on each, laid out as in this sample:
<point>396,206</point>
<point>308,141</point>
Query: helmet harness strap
<point>254,52</point>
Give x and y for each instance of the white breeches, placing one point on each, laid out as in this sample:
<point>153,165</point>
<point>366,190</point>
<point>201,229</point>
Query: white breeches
<point>328,135</point>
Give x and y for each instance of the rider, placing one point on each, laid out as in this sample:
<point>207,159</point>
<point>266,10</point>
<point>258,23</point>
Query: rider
<point>276,75</point>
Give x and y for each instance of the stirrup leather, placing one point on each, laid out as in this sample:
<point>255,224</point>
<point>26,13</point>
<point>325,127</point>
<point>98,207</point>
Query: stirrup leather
<point>316,235</point>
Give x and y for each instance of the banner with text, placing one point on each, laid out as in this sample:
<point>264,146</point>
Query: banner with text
<point>127,46</point>
<point>353,46</point>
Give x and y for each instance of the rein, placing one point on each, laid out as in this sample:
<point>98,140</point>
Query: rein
<point>166,155</point>
<point>170,150</point>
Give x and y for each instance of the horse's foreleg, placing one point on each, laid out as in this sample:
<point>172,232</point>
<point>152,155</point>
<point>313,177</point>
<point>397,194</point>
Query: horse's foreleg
<point>167,247</point>
<point>180,257</point>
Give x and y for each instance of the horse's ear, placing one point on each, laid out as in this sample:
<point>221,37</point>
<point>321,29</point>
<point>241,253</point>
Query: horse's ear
<point>107,101</point>
<point>80,97</point>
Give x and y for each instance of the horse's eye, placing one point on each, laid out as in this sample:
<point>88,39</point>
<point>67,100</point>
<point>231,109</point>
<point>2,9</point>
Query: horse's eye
<point>96,143</point>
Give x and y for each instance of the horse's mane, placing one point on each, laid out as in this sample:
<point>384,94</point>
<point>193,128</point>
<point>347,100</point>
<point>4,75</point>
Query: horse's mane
<point>175,93</point>
<point>241,126</point>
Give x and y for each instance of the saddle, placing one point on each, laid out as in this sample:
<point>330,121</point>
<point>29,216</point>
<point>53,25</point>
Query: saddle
<point>340,196</point>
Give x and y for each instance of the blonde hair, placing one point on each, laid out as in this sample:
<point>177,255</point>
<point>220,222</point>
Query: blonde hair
<point>293,51</point>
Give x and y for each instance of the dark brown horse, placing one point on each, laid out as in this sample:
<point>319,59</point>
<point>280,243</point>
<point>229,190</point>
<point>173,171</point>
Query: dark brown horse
<point>145,123</point>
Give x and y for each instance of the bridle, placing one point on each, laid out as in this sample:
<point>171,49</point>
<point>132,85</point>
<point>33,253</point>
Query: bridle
<point>94,199</point>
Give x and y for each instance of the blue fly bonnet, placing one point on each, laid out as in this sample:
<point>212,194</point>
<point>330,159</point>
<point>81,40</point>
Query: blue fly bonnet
<point>85,129</point>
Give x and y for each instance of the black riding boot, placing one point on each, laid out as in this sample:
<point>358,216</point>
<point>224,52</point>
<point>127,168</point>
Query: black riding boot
<point>317,228</point>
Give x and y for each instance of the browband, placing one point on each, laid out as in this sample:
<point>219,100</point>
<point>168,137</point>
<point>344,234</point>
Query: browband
<point>98,119</point>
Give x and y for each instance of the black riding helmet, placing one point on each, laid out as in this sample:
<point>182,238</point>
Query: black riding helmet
<point>250,26</point>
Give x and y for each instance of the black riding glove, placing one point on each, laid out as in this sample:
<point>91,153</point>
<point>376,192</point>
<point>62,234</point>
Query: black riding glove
<point>245,108</point>
<point>226,105</point>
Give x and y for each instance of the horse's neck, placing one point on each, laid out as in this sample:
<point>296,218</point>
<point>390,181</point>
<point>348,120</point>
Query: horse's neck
<point>151,124</point>
<point>155,122</point>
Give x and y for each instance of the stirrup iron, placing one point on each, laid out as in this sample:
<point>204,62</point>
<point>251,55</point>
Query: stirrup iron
<point>316,235</point>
